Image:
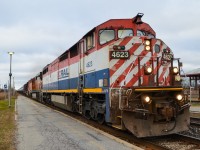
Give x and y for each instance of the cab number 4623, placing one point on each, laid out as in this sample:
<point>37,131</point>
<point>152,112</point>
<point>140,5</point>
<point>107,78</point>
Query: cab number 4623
<point>119,54</point>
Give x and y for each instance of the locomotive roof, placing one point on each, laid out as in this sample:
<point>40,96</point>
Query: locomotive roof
<point>114,23</point>
<point>117,23</point>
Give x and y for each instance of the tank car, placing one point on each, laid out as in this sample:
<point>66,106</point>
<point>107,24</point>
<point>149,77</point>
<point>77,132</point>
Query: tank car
<point>121,74</point>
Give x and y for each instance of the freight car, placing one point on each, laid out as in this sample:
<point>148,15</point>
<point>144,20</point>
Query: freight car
<point>121,74</point>
<point>34,86</point>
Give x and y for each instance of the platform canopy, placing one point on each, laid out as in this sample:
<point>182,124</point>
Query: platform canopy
<point>194,75</point>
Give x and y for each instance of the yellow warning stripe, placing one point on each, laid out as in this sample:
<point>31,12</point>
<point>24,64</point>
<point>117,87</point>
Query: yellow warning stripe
<point>61,91</point>
<point>96,90</point>
<point>159,89</point>
<point>93,90</point>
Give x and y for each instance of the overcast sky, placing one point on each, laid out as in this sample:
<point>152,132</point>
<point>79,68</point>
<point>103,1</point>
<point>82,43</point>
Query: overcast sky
<point>38,31</point>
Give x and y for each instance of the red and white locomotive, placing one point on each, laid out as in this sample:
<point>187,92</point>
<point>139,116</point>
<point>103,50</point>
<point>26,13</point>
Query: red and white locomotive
<point>121,74</point>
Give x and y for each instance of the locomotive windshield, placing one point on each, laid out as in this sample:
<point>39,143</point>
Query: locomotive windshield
<point>106,36</point>
<point>124,33</point>
<point>144,33</point>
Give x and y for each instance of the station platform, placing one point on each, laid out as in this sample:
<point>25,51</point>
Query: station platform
<point>42,128</point>
<point>195,109</point>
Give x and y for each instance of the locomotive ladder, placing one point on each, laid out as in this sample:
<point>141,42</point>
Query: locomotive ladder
<point>80,91</point>
<point>81,75</point>
<point>80,100</point>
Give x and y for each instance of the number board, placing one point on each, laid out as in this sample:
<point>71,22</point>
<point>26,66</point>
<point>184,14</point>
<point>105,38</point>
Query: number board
<point>119,54</point>
<point>166,58</point>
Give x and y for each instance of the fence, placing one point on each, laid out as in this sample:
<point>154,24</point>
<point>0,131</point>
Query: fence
<point>193,94</point>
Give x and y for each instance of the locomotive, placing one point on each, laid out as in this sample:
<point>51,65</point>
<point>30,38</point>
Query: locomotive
<point>121,74</point>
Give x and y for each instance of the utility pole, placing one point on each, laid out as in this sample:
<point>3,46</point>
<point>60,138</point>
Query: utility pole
<point>10,75</point>
<point>13,86</point>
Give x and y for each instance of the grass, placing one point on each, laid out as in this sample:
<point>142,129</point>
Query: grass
<point>7,125</point>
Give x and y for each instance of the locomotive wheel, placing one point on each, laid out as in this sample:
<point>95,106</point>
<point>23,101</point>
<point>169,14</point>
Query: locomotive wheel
<point>100,118</point>
<point>93,114</point>
<point>74,107</point>
<point>87,114</point>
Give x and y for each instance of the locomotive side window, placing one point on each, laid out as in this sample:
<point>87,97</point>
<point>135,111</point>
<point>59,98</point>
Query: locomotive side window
<point>45,70</point>
<point>73,51</point>
<point>90,41</point>
<point>106,36</point>
<point>63,57</point>
<point>124,33</point>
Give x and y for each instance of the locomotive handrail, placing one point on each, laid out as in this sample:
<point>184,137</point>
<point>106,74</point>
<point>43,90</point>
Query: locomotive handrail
<point>184,106</point>
<point>141,110</point>
<point>159,89</point>
<point>120,97</point>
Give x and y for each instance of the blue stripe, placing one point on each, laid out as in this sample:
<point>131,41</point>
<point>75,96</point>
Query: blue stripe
<point>91,80</point>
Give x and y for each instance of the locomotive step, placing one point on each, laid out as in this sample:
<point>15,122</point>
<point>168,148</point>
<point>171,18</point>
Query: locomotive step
<point>119,127</point>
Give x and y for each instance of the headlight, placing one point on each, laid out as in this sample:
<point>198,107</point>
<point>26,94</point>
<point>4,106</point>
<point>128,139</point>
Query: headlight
<point>175,70</point>
<point>147,44</point>
<point>146,99</point>
<point>147,70</point>
<point>147,48</point>
<point>179,97</point>
<point>177,78</point>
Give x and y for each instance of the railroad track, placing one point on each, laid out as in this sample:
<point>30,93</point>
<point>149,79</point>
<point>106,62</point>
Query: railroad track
<point>188,140</point>
<point>176,142</point>
<point>194,129</point>
<point>195,121</point>
<point>170,142</point>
